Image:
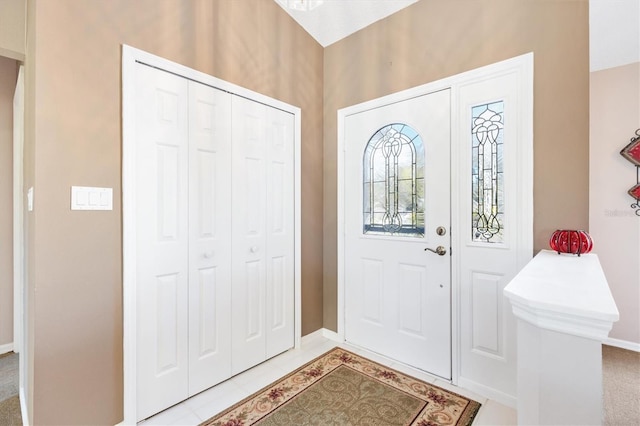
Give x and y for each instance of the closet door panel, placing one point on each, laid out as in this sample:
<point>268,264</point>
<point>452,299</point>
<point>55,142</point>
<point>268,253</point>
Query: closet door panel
<point>162,239</point>
<point>214,207</point>
<point>279,232</point>
<point>209,237</point>
<point>249,200</point>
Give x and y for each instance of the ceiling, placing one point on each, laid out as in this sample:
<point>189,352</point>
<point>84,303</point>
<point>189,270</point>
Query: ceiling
<point>614,24</point>
<point>614,33</point>
<point>333,20</point>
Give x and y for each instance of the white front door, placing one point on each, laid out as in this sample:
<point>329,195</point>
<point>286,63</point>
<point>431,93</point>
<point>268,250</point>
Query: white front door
<point>397,231</point>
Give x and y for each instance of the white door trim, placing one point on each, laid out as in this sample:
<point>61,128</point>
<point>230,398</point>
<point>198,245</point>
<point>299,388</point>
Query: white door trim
<point>523,66</point>
<point>18,205</point>
<point>19,309</point>
<point>131,56</point>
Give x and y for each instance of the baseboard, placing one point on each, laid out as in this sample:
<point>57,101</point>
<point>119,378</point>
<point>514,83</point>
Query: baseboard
<point>487,392</point>
<point>310,336</point>
<point>331,335</point>
<point>321,332</point>
<point>624,344</point>
<point>23,408</point>
<point>7,347</point>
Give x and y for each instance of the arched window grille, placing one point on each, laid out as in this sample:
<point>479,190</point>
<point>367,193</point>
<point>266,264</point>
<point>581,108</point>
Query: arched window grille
<point>393,182</point>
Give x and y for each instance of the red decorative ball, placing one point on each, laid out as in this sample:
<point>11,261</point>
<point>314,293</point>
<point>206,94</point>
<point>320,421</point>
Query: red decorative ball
<point>570,241</point>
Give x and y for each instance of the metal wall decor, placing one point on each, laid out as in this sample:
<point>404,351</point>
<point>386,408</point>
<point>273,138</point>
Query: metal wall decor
<point>632,153</point>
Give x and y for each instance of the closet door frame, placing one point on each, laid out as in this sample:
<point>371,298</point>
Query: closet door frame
<point>131,57</point>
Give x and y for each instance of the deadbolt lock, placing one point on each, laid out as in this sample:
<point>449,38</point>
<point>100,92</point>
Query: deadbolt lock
<point>441,230</point>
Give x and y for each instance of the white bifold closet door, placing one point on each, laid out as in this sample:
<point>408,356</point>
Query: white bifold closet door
<point>263,233</point>
<point>162,243</point>
<point>209,237</point>
<point>184,238</point>
<point>214,247</point>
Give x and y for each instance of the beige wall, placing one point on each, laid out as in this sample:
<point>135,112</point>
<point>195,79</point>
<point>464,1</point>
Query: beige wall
<point>613,224</point>
<point>74,138</point>
<point>8,73</point>
<point>12,28</point>
<point>433,39</point>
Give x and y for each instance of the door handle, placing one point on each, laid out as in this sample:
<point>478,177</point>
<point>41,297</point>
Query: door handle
<point>440,250</point>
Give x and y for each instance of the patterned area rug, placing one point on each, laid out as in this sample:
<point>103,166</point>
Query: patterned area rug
<point>341,388</point>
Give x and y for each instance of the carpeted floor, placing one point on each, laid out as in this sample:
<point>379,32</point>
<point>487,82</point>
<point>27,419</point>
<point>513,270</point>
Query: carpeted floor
<point>10,412</point>
<point>9,400</point>
<point>621,386</point>
<point>8,375</point>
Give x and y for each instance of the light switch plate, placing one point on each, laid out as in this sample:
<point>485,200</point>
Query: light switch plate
<point>30,199</point>
<point>91,198</point>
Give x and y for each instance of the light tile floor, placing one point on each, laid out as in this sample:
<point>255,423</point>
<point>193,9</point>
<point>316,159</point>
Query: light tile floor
<point>210,402</point>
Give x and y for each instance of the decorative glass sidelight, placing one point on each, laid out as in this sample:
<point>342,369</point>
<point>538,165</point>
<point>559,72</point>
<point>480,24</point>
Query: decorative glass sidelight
<point>487,174</point>
<point>393,182</point>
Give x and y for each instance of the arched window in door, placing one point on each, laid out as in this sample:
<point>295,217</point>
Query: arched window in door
<point>393,182</point>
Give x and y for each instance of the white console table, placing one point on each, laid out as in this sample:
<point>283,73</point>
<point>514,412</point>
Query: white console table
<point>564,311</point>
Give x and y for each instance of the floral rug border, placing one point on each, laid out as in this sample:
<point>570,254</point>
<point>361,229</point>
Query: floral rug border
<point>443,407</point>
